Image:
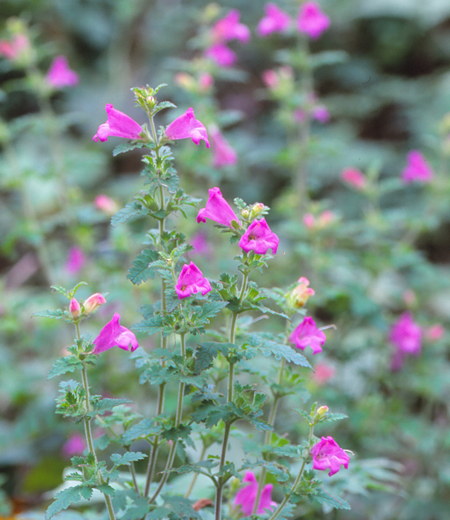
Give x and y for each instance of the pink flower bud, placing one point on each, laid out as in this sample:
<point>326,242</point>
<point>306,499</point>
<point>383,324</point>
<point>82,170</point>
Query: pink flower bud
<point>205,82</point>
<point>323,373</point>
<point>322,411</point>
<point>93,302</point>
<point>354,178</point>
<point>74,308</point>
<point>435,332</point>
<point>270,78</point>
<point>300,294</point>
<point>105,204</point>
<point>309,220</point>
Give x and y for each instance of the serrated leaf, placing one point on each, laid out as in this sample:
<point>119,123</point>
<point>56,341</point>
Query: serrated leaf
<point>181,507</point>
<point>60,289</point>
<point>207,351</point>
<point>63,365</point>
<point>66,498</point>
<point>55,315</point>
<point>163,105</point>
<point>128,146</point>
<point>107,404</point>
<point>141,269</point>
<point>334,417</point>
<point>323,497</point>
<point>142,430</point>
<point>127,458</point>
<point>272,348</point>
<point>132,210</point>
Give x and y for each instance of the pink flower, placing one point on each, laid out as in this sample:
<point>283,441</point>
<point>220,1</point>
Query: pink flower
<point>191,281</point>
<point>435,332</point>
<point>276,20</point>
<point>16,48</point>
<point>320,113</point>
<point>201,245</point>
<point>270,78</point>
<point>417,168</point>
<point>186,126</point>
<point>221,54</point>
<point>406,335</point>
<point>355,178</point>
<point>93,303</point>
<point>229,28</point>
<point>60,75</point>
<point>217,209</point>
<point>205,82</point>
<point>75,260</point>
<point>246,496</point>
<point>74,308</point>
<point>327,454</point>
<point>323,373</point>
<point>307,334</point>
<point>105,204</point>
<point>259,238</point>
<point>114,335</point>
<point>312,20</point>
<point>118,124</point>
<point>75,445</point>
<point>223,154</point>
<point>309,220</point>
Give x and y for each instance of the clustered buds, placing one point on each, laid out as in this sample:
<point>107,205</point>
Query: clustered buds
<point>86,308</point>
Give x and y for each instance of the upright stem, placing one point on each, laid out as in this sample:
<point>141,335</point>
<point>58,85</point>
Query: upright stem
<point>88,431</point>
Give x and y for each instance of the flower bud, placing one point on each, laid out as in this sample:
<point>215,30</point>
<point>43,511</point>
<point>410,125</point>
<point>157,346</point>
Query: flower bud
<point>94,301</point>
<point>74,308</point>
<point>256,210</point>
<point>105,204</point>
<point>300,294</point>
<point>205,82</point>
<point>321,411</point>
<point>245,214</point>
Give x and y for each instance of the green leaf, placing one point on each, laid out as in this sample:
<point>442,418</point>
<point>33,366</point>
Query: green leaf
<point>181,508</point>
<point>163,105</point>
<point>128,146</point>
<point>67,497</point>
<point>272,348</point>
<point>209,310</point>
<point>63,365</point>
<point>334,417</point>
<point>209,350</point>
<point>127,458</point>
<point>106,405</point>
<point>142,430</point>
<point>323,497</point>
<point>132,210</point>
<point>141,269</point>
<point>61,290</point>
<point>55,315</point>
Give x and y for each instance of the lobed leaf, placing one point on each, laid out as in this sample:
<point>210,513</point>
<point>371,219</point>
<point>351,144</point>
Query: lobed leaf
<point>141,268</point>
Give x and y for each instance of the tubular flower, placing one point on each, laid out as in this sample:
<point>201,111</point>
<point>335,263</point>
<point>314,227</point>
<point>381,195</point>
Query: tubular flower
<point>259,238</point>
<point>93,302</point>
<point>114,335</point>
<point>327,454</point>
<point>229,28</point>
<point>60,74</point>
<point>417,169</point>
<point>191,281</point>
<point>118,124</point>
<point>221,54</point>
<point>223,154</point>
<point>186,126</point>
<point>307,334</point>
<point>300,294</point>
<point>312,20</point>
<point>276,20</point>
<point>217,209</point>
<point>246,496</point>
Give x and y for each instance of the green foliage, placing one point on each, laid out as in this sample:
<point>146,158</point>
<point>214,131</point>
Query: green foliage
<point>66,498</point>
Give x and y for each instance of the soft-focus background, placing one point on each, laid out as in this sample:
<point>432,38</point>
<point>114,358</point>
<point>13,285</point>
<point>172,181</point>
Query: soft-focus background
<point>371,254</point>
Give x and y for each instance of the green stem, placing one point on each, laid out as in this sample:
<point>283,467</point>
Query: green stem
<point>296,483</point>
<point>88,431</point>
<point>220,481</point>
<point>178,416</point>
<point>194,478</point>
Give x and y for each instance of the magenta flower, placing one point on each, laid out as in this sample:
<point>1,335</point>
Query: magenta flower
<point>75,445</point>
<point>229,28</point>
<point>327,454</point>
<point>60,74</point>
<point>312,20</point>
<point>217,209</point>
<point>201,245</point>
<point>74,308</point>
<point>75,260</point>
<point>93,303</point>
<point>221,54</point>
<point>307,334</point>
<point>417,169</point>
<point>191,281</point>
<point>276,20</point>
<point>355,178</point>
<point>114,335</point>
<point>320,113</point>
<point>259,238</point>
<point>223,154</point>
<point>406,335</point>
<point>186,126</point>
<point>246,496</point>
<point>118,124</point>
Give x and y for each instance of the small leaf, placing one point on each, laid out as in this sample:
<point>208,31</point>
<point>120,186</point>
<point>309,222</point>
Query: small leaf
<point>63,365</point>
<point>127,458</point>
<point>142,430</point>
<point>67,497</point>
<point>106,405</point>
<point>132,210</point>
<point>56,315</point>
<point>141,269</point>
<point>323,497</point>
<point>128,146</point>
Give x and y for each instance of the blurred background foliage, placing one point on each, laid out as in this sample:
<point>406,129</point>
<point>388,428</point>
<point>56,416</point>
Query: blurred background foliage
<point>382,71</point>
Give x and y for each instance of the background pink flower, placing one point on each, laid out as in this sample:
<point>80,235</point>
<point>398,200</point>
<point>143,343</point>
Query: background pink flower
<point>275,20</point>
<point>312,20</point>
<point>417,169</point>
<point>60,74</point>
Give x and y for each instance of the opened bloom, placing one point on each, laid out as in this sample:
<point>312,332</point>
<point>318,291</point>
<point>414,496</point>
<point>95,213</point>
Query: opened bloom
<point>354,178</point>
<point>217,209</point>
<point>259,238</point>
<point>223,154</point>
<point>60,74</point>
<point>246,497</point>
<point>114,335</point>
<point>312,20</point>
<point>229,28</point>
<point>118,124</point>
<point>417,169</point>
<point>186,126</point>
<point>327,454</point>
<point>276,20</point>
<point>221,54</point>
<point>307,334</point>
<point>191,281</point>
